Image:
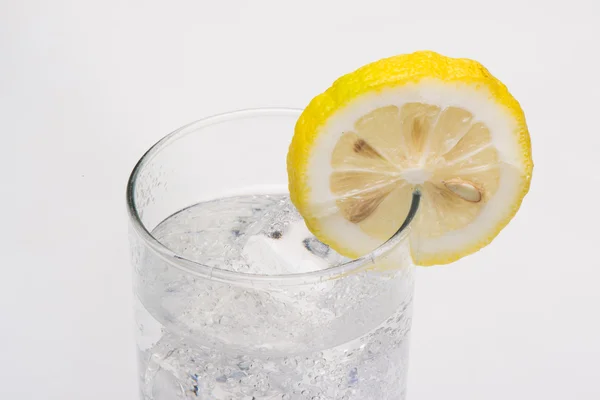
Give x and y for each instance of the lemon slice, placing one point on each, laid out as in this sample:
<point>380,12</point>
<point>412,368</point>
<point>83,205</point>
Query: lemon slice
<point>422,120</point>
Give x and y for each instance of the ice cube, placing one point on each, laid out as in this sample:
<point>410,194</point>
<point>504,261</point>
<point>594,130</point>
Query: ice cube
<point>273,219</point>
<point>291,250</point>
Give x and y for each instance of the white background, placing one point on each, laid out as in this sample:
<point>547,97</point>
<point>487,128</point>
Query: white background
<point>86,87</point>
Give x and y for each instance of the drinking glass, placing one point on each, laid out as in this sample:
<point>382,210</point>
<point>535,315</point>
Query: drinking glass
<point>235,298</point>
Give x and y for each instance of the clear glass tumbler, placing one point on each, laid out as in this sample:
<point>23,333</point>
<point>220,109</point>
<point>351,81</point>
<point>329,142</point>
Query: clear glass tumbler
<point>235,299</point>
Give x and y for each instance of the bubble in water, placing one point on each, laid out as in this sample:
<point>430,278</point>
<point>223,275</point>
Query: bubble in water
<point>316,247</point>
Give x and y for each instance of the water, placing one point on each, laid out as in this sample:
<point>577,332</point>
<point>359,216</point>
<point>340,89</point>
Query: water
<point>341,339</point>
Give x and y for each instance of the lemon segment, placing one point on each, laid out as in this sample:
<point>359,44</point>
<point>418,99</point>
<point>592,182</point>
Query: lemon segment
<point>443,124</point>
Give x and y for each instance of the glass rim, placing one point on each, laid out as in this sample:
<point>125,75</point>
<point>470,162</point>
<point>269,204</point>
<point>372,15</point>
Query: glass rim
<point>223,275</point>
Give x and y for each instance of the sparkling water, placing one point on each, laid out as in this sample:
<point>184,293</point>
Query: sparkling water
<point>328,339</point>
